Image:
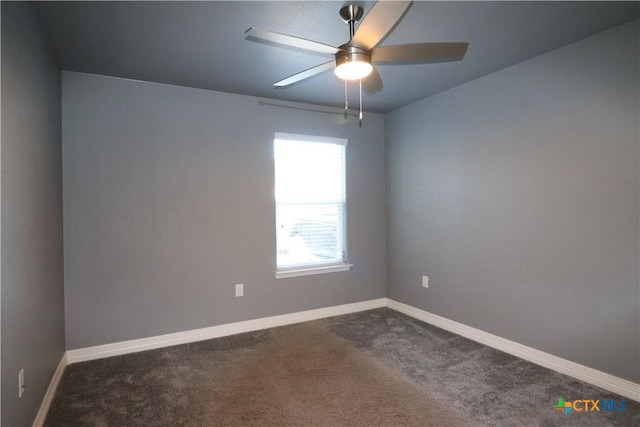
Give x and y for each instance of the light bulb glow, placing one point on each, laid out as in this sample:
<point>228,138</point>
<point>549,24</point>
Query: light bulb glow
<point>353,63</point>
<point>353,70</point>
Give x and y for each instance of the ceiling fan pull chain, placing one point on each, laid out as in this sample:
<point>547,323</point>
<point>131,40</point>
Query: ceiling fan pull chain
<point>360,115</point>
<point>346,101</point>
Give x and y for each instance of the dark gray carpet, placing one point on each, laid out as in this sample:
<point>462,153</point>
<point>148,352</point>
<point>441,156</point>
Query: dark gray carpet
<point>378,367</point>
<point>298,375</point>
<point>490,387</point>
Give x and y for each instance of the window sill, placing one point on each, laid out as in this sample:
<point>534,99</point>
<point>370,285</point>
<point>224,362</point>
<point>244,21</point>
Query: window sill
<point>313,270</point>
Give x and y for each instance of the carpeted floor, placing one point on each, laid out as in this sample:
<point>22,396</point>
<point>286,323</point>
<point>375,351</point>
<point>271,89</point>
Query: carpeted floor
<point>375,368</point>
<point>488,386</point>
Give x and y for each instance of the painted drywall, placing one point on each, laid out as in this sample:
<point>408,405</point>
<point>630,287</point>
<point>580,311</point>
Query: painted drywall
<point>168,203</point>
<point>517,194</point>
<point>32,264</point>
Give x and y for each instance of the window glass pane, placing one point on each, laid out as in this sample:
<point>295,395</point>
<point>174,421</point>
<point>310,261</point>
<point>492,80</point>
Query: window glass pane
<point>309,234</point>
<point>309,172</point>
<point>310,203</point>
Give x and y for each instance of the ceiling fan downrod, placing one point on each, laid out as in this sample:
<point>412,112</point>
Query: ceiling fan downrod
<point>350,15</point>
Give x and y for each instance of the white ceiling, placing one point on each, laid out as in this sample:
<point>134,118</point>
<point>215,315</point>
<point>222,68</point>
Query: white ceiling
<point>202,44</point>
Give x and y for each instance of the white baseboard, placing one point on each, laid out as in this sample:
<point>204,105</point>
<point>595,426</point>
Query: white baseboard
<point>601,379</point>
<point>51,391</point>
<point>133,346</point>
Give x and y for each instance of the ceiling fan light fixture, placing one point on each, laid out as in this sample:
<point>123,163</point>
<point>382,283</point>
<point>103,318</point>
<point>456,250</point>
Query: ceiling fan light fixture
<point>353,63</point>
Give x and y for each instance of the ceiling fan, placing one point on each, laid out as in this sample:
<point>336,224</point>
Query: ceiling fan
<point>354,60</point>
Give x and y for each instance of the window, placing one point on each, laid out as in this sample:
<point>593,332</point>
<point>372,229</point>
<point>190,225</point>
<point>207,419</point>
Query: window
<point>310,205</point>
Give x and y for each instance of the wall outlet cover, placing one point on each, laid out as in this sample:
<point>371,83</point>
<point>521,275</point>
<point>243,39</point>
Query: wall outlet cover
<point>425,281</point>
<point>21,383</point>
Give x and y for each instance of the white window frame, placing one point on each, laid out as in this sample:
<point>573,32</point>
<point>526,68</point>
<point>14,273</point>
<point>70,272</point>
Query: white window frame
<point>311,269</point>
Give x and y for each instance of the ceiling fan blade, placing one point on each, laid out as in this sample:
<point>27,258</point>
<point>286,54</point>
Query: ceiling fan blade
<point>419,53</point>
<point>305,74</point>
<point>372,83</point>
<point>256,34</point>
<point>383,16</point>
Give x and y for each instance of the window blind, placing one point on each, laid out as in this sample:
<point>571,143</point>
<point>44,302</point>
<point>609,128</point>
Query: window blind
<point>310,200</point>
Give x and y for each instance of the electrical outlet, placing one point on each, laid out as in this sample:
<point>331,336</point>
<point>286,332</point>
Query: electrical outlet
<point>21,383</point>
<point>239,289</point>
<point>425,281</point>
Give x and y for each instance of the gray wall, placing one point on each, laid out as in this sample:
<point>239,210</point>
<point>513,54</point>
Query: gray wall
<point>32,265</point>
<point>518,195</point>
<point>168,203</point>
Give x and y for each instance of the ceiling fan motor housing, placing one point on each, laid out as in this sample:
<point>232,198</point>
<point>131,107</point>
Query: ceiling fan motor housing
<point>354,59</point>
